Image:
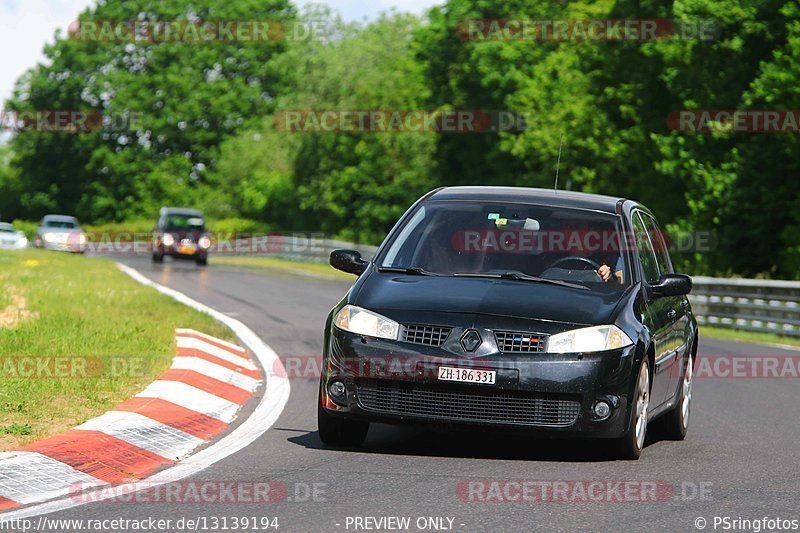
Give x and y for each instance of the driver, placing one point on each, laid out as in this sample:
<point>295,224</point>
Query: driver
<point>582,225</point>
<point>605,272</point>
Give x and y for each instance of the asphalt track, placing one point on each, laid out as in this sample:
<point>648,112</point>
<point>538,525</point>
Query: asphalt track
<point>741,458</point>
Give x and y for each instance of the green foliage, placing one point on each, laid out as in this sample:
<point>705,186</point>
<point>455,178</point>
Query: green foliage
<point>16,429</point>
<point>355,185</point>
<point>183,98</point>
<point>208,135</point>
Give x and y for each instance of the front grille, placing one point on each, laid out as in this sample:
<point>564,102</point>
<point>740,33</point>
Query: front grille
<point>427,335</point>
<point>467,404</point>
<point>517,342</point>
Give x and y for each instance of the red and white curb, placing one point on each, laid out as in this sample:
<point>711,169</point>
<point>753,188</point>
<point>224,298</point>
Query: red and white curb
<point>196,399</point>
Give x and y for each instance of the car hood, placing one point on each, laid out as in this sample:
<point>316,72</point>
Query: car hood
<point>384,292</point>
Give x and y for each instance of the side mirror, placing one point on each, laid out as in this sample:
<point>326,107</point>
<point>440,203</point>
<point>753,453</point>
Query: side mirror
<point>672,285</point>
<point>348,261</point>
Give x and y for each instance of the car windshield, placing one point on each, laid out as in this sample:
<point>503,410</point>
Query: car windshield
<point>61,224</point>
<point>184,222</point>
<point>7,228</point>
<point>511,241</point>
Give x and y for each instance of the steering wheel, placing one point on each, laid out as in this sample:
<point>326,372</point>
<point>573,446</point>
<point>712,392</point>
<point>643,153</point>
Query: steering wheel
<point>594,264</point>
<point>586,260</point>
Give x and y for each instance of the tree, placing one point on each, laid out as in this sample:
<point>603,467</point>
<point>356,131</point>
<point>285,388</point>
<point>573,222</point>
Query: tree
<point>186,97</point>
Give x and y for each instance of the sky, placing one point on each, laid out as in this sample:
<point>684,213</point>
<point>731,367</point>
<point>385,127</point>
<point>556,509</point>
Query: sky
<point>26,25</point>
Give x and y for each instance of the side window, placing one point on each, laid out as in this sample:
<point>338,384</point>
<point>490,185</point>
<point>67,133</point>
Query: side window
<point>645,250</point>
<point>659,243</point>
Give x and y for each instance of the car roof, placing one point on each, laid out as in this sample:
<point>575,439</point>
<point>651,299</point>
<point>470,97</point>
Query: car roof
<point>550,197</point>
<point>6,225</point>
<point>181,211</point>
<point>59,218</point>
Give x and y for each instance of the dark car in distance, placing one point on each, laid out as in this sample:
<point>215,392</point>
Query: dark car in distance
<point>181,233</point>
<point>549,311</point>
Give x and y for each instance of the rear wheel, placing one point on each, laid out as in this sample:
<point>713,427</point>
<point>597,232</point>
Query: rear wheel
<point>158,258</point>
<point>676,422</point>
<point>335,431</point>
<point>202,261</point>
<point>632,443</point>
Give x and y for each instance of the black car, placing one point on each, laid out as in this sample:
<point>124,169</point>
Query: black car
<point>181,233</point>
<point>551,311</point>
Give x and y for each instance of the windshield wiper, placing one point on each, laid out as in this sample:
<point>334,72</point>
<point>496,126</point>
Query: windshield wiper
<point>417,271</point>
<point>525,277</point>
<point>519,276</point>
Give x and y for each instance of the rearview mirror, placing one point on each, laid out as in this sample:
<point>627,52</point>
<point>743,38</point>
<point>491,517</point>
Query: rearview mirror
<point>672,285</point>
<point>348,261</point>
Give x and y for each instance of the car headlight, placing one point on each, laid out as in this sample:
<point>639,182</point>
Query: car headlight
<point>82,239</point>
<point>168,239</point>
<point>362,322</point>
<point>592,339</point>
<point>204,242</point>
<point>23,241</point>
<point>49,237</point>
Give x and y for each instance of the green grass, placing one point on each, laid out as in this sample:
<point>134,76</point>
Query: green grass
<point>16,429</point>
<point>746,336</point>
<point>317,270</point>
<point>76,306</point>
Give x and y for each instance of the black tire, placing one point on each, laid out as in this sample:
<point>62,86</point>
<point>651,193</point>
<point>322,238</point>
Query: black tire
<point>675,423</point>
<point>336,431</point>
<point>632,443</point>
<point>202,261</point>
<point>158,258</point>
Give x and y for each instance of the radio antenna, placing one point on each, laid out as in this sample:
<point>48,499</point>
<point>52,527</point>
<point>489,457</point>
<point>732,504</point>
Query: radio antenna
<point>558,163</point>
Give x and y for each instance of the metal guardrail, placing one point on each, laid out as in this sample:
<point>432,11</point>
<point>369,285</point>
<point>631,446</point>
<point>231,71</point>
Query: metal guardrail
<point>748,304</point>
<point>745,304</point>
<point>293,247</point>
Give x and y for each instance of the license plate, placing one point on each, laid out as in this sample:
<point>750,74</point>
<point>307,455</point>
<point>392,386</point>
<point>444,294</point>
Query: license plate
<point>188,250</point>
<point>467,375</point>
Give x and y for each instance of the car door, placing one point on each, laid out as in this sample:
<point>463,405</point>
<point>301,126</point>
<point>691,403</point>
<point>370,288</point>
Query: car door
<point>678,308</point>
<point>659,311</point>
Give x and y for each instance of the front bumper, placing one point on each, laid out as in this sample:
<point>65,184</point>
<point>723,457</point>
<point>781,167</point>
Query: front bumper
<point>71,247</point>
<point>396,382</point>
<point>180,252</point>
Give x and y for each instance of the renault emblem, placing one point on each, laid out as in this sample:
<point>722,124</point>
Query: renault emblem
<point>471,340</point>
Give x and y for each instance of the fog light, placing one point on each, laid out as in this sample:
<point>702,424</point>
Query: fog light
<point>602,410</point>
<point>337,390</point>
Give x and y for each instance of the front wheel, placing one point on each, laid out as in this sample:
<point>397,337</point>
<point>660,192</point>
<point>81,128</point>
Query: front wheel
<point>632,443</point>
<point>158,258</point>
<point>202,261</point>
<point>336,431</point>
